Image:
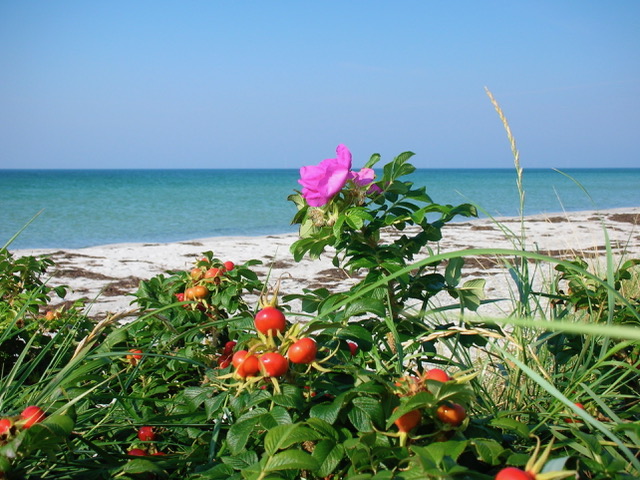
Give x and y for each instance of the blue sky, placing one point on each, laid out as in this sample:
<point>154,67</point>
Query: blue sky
<point>221,84</point>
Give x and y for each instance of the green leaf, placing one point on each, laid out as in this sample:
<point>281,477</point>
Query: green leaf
<point>453,272</point>
<point>398,167</point>
<point>242,460</point>
<point>517,459</point>
<point>140,465</point>
<point>60,425</point>
<point>196,396</point>
<point>47,435</point>
<point>471,293</point>
<point>375,158</point>
<point>488,451</point>
<point>384,475</point>
<point>239,434</point>
<point>365,305</point>
<point>328,454</point>
<point>298,200</point>
<point>366,412</point>
<point>5,464</point>
<point>283,436</point>
<point>371,387</point>
<point>213,405</point>
<point>337,226</point>
<point>291,397</point>
<point>452,449</point>
<point>280,415</point>
<point>328,411</point>
<point>292,459</point>
<point>360,420</point>
<point>217,472</point>
<point>322,427</point>
<point>358,334</point>
<point>511,424</point>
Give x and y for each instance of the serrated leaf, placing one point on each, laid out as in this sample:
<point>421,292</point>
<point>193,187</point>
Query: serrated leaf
<point>196,395</point>
<point>328,453</point>
<point>517,459</point>
<point>337,226</point>
<point>511,424</point>
<point>239,434</point>
<point>354,221</point>
<point>488,450</point>
<point>291,397</point>
<point>47,435</point>
<point>242,460</point>
<point>290,460</point>
<point>452,449</point>
<point>218,472</point>
<point>384,475</point>
<point>365,412</point>
<point>60,425</point>
<point>322,427</point>
<point>369,387</point>
<point>358,334</point>
<point>360,420</point>
<point>328,411</point>
<point>365,305</point>
<point>283,436</point>
<point>280,415</point>
<point>140,465</point>
<point>213,405</point>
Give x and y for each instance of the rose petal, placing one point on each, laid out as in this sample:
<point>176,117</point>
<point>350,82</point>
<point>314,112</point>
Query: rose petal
<point>373,188</point>
<point>364,177</point>
<point>321,182</point>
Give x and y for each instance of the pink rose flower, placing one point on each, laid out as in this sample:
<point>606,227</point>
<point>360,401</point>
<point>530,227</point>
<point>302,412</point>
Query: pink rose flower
<point>321,182</point>
<point>364,177</point>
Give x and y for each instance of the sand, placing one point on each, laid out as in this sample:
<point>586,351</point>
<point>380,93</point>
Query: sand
<point>106,276</point>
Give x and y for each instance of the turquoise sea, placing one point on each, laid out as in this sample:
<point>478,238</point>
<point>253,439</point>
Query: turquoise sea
<point>81,208</point>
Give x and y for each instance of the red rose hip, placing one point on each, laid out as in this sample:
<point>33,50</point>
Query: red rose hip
<point>137,452</point>
<point>270,319</point>
<point>451,413</point>
<point>146,434</point>
<point>513,473</point>
<point>408,421</point>
<point>246,365</point>
<point>437,374</point>
<point>303,351</point>
<point>5,425</point>
<point>32,415</point>
<point>274,364</point>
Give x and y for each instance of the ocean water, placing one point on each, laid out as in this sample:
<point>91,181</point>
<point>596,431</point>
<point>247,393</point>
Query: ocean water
<point>81,208</point>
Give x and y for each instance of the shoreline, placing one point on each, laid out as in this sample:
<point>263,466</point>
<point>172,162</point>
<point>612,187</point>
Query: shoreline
<point>456,220</point>
<point>105,275</point>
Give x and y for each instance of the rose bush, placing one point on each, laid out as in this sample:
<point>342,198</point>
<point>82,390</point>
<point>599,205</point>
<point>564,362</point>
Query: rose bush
<point>370,382</point>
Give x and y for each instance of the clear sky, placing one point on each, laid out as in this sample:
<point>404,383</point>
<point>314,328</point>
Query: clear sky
<point>243,84</point>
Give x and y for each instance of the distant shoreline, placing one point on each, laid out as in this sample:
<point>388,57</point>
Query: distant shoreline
<point>227,238</point>
<point>455,220</point>
<point>107,275</point>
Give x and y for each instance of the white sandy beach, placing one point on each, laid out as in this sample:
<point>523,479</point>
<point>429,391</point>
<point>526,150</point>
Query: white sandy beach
<point>106,275</point>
